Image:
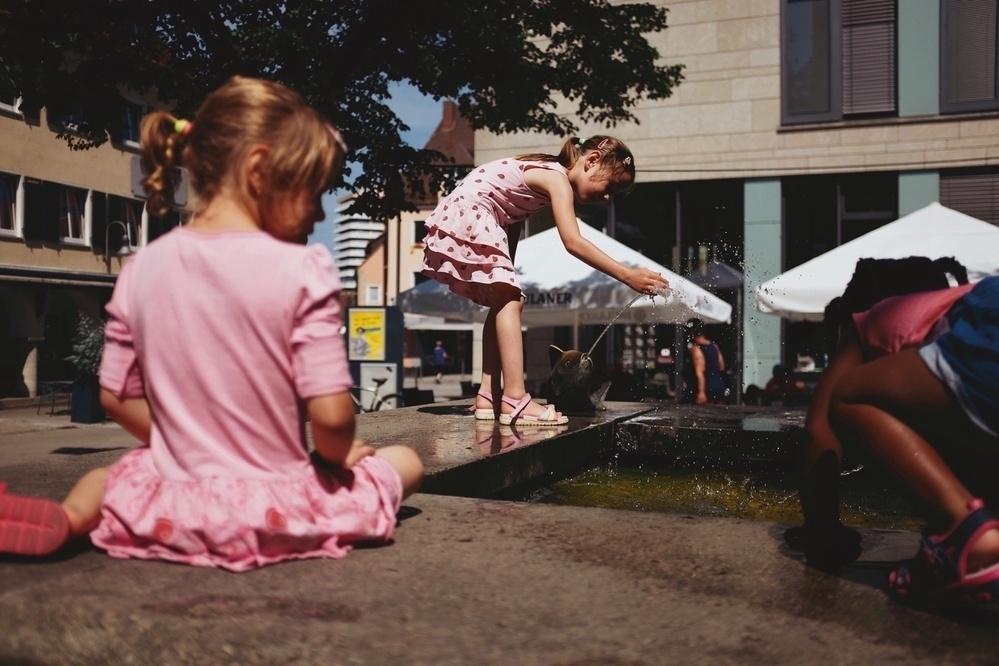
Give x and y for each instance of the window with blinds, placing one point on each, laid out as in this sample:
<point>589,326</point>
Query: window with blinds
<point>838,59</point>
<point>974,193</point>
<point>868,56</point>
<point>968,52</point>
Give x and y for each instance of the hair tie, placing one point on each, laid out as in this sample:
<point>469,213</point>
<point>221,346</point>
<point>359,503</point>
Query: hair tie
<point>580,142</point>
<point>627,160</point>
<point>183,127</point>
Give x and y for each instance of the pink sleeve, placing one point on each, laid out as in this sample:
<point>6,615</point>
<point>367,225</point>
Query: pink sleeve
<point>319,357</point>
<point>120,371</point>
<point>901,322</point>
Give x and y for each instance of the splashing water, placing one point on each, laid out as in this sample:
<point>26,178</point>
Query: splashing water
<point>607,327</point>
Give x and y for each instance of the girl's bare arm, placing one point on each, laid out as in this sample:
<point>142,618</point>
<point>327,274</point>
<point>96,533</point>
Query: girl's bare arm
<point>132,414</point>
<point>333,427</point>
<point>557,187</point>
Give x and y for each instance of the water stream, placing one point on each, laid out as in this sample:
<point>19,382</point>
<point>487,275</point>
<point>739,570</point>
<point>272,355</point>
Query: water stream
<point>607,327</point>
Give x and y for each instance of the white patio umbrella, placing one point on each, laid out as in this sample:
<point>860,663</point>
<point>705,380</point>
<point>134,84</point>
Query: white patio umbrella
<point>563,291</point>
<point>802,293</point>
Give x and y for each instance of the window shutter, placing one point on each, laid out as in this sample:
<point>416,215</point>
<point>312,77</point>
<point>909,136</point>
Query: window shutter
<point>868,56</point>
<point>970,43</point>
<point>41,211</point>
<point>975,194</point>
<point>98,220</point>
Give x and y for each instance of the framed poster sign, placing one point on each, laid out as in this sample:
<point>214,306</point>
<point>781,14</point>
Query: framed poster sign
<point>366,334</point>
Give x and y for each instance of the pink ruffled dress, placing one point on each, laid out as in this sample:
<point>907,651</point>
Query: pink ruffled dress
<point>226,335</point>
<point>466,242</point>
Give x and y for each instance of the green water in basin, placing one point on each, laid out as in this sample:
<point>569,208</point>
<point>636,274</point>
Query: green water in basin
<point>703,491</point>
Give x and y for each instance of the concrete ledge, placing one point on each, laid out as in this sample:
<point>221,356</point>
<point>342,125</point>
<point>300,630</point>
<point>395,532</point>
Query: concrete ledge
<point>466,581</point>
<point>471,459</point>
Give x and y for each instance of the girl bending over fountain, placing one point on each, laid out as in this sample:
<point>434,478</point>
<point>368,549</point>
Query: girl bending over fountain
<point>472,237</point>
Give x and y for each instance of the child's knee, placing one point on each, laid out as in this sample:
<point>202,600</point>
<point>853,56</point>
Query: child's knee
<point>96,478</point>
<point>407,463</point>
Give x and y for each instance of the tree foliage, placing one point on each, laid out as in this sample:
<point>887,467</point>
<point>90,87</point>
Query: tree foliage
<point>507,63</point>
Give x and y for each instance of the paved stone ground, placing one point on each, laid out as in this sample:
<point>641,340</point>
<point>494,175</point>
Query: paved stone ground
<point>466,581</point>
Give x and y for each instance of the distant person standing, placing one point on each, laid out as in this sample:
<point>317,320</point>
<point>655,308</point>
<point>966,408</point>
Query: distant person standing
<point>706,377</point>
<point>440,360</point>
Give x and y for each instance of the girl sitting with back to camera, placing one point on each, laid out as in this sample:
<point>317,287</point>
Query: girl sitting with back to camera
<point>223,336</point>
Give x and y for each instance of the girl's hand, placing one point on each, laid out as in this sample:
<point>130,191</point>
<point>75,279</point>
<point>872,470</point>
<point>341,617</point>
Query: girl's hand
<point>358,449</point>
<point>646,281</point>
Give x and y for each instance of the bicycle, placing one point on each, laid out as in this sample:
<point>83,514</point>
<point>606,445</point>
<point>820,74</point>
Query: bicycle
<point>378,402</point>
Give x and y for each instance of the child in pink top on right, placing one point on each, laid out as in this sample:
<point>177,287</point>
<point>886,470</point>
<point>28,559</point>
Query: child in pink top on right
<point>880,312</point>
<point>929,417</point>
<point>223,341</point>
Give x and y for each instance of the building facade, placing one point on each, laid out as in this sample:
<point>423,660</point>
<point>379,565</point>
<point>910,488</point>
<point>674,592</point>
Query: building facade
<point>67,218</point>
<point>352,235</point>
<point>800,125</point>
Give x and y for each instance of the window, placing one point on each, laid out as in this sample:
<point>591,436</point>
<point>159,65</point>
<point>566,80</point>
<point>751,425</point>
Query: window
<point>823,212</point>
<point>134,112</point>
<point>837,59</point>
<point>373,294</point>
<point>161,225</point>
<point>128,211</point>
<point>968,53</point>
<point>974,192</point>
<point>53,213</point>
<point>419,231</point>
<point>72,203</point>
<point>73,120</point>
<point>11,105</point>
<point>8,202</point>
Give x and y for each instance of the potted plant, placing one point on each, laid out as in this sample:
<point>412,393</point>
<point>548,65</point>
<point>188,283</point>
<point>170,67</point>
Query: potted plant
<point>88,345</point>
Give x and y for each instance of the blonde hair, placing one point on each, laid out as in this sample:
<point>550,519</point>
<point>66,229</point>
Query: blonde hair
<point>305,151</point>
<point>614,155</point>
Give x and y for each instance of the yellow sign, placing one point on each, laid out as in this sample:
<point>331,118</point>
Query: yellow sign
<point>366,335</point>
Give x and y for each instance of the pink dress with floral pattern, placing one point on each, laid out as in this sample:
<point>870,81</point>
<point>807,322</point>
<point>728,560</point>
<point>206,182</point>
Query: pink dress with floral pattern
<point>466,243</point>
<point>226,335</point>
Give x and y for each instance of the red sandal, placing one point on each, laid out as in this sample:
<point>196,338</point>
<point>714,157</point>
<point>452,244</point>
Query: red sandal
<point>940,570</point>
<point>31,525</point>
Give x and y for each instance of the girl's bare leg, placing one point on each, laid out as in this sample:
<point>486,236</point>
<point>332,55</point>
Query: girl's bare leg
<point>407,464</point>
<point>491,378</point>
<point>83,503</point>
<point>886,404</point>
<point>511,352</point>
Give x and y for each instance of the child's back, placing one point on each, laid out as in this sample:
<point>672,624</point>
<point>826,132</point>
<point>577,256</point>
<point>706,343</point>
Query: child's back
<point>227,328</point>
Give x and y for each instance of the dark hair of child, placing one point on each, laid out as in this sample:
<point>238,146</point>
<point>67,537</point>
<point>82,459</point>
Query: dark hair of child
<point>876,279</point>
